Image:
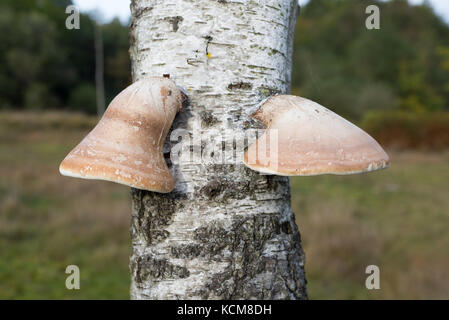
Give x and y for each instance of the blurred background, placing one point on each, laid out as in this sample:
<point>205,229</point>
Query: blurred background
<point>392,82</point>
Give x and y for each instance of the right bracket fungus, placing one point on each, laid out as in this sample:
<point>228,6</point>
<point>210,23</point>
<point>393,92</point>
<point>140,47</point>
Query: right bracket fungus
<point>126,145</point>
<point>304,138</point>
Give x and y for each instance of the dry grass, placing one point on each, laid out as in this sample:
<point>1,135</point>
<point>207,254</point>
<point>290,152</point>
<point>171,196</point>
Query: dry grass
<point>48,221</point>
<point>407,130</point>
<point>397,219</point>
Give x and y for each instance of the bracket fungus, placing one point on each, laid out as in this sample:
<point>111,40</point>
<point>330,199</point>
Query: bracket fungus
<point>304,138</point>
<point>126,145</point>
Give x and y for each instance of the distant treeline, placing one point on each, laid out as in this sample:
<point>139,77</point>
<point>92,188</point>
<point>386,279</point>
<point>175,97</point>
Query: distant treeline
<point>404,66</point>
<point>43,65</point>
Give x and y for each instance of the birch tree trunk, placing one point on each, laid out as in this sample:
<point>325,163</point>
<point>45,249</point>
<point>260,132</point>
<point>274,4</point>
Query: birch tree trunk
<point>225,232</point>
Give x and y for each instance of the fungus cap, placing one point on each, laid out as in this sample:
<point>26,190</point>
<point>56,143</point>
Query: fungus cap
<point>309,139</point>
<point>126,145</point>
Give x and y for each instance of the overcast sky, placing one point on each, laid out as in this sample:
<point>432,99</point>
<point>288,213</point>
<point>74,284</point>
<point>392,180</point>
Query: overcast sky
<point>108,9</point>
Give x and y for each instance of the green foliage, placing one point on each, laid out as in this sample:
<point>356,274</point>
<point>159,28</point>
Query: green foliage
<point>37,97</point>
<point>444,54</point>
<point>117,61</point>
<point>83,98</point>
<point>41,62</point>
<point>415,94</point>
<point>337,61</point>
<point>341,64</point>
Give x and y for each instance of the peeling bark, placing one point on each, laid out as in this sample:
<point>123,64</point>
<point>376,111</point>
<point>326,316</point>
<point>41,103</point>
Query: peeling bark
<point>225,232</point>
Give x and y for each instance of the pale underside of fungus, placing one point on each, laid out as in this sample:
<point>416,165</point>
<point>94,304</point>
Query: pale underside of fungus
<point>304,138</point>
<point>126,145</point>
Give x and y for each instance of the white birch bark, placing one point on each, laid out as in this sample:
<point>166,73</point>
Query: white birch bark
<point>225,232</point>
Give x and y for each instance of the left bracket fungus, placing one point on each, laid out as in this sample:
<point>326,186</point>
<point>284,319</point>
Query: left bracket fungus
<point>126,145</point>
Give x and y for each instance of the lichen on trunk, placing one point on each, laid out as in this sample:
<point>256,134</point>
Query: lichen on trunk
<point>225,232</point>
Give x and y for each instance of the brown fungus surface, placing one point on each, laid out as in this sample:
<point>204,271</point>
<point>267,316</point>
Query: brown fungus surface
<point>126,145</point>
<point>304,138</point>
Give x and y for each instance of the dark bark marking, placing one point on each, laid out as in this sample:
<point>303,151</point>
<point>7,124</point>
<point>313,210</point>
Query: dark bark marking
<point>138,13</point>
<point>151,216</point>
<point>208,40</point>
<point>266,91</point>
<point>212,189</point>
<point>223,187</point>
<point>240,85</point>
<point>247,236</point>
<point>286,227</point>
<point>175,22</point>
<point>148,267</point>
<point>208,119</point>
<point>211,240</point>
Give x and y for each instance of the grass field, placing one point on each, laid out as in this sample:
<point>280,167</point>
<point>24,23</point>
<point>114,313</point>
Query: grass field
<point>397,219</point>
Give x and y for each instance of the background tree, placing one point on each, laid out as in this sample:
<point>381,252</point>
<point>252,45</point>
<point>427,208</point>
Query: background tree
<point>225,232</point>
<point>45,66</point>
<point>341,65</point>
<point>444,54</point>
